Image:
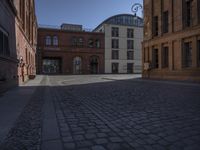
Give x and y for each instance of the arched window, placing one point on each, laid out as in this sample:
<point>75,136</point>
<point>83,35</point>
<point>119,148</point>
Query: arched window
<point>90,43</point>
<point>48,40</point>
<point>55,40</point>
<point>97,43</point>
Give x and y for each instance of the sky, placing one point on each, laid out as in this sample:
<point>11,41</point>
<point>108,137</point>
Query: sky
<point>89,13</point>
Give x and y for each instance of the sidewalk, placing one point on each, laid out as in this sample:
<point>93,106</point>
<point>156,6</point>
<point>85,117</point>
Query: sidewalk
<point>12,104</point>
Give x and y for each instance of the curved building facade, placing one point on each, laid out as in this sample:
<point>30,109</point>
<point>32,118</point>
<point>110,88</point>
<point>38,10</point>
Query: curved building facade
<point>123,37</point>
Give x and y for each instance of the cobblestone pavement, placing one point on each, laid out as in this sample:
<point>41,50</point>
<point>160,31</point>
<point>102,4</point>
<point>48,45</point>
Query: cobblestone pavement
<point>104,113</point>
<point>26,132</point>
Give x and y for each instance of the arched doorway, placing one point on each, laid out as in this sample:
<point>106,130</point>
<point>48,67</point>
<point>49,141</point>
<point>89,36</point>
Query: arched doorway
<point>94,65</point>
<point>77,65</point>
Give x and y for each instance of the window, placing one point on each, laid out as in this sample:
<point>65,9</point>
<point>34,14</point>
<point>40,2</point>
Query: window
<point>130,55</point>
<point>115,67</point>
<point>4,43</point>
<point>165,57</point>
<point>130,44</point>
<point>97,44</point>
<point>198,53</point>
<point>74,41</point>
<point>129,67</point>
<point>80,42</point>
<point>155,58</point>
<point>188,15</point>
<point>115,54</point>
<point>155,26</point>
<point>130,33</point>
<point>187,54</point>
<point>165,22</point>
<point>115,32</point>
<point>90,43</point>
<point>115,43</point>
<point>55,41</point>
<point>48,40</point>
<point>198,6</point>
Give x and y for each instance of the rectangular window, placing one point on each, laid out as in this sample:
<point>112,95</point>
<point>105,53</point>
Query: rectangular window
<point>115,54</point>
<point>115,67</point>
<point>187,54</point>
<point>130,44</point>
<point>1,42</point>
<point>4,43</point>
<point>198,6</point>
<point>130,55</point>
<point>187,14</point>
<point>165,22</point>
<point>130,33</point>
<point>129,67</point>
<point>155,26</point>
<point>115,43</point>
<point>198,53</point>
<point>155,62</point>
<point>115,32</point>
<point>165,57</point>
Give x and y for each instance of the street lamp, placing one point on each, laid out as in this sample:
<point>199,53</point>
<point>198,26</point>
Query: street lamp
<point>135,9</point>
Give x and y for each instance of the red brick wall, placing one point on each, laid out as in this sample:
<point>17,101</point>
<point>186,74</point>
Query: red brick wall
<point>67,52</point>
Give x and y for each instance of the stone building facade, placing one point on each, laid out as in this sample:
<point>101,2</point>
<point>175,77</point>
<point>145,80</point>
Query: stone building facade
<point>123,37</point>
<point>171,47</point>
<point>26,38</point>
<point>8,56</point>
<point>69,50</point>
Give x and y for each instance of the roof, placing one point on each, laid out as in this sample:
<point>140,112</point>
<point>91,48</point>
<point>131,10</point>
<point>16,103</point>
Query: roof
<point>123,19</point>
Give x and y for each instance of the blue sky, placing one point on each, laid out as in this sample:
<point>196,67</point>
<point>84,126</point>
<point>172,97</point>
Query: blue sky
<point>88,13</point>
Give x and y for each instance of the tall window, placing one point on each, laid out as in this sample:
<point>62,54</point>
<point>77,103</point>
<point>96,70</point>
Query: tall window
<point>130,33</point>
<point>130,44</point>
<point>130,55</point>
<point>90,43</point>
<point>129,67</point>
<point>4,43</point>
<point>97,43</point>
<point>187,14</point>
<point>115,67</point>
<point>198,6</point>
<point>198,53</point>
<point>115,32</point>
<point>165,22</point>
<point>187,54</point>
<point>115,43</point>
<point>115,54</point>
<point>48,40</point>
<point>80,42</point>
<point>155,62</point>
<point>55,41</point>
<point>155,26</point>
<point>165,57</point>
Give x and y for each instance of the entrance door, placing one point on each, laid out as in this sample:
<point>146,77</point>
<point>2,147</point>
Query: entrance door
<point>51,65</point>
<point>129,67</point>
<point>94,65</point>
<point>77,65</point>
<point>115,68</point>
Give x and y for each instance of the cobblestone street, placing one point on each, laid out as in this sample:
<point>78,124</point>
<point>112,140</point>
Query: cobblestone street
<point>126,114</point>
<point>120,112</point>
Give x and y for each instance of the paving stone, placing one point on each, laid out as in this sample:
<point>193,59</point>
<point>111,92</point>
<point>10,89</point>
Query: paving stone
<point>97,147</point>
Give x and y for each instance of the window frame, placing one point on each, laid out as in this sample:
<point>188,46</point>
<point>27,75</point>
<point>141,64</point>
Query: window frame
<point>187,55</point>
<point>130,57</point>
<point>48,40</point>
<point>115,53</point>
<point>115,32</point>
<point>115,43</point>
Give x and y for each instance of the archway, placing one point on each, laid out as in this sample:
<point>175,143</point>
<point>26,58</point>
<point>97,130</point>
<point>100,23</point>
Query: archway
<point>77,65</point>
<point>94,65</point>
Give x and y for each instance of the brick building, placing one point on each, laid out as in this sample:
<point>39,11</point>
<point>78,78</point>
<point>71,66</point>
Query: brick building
<point>171,47</point>
<point>69,50</point>
<point>26,38</point>
<point>8,56</point>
